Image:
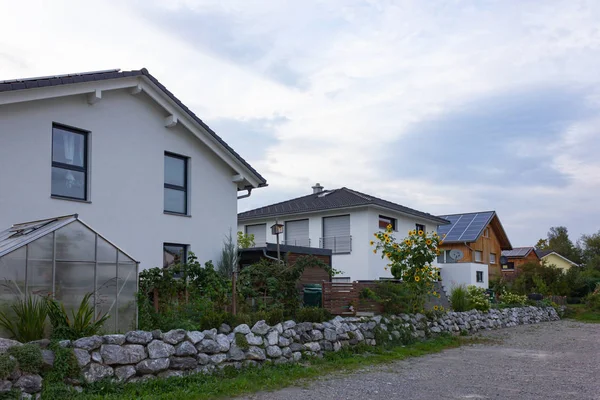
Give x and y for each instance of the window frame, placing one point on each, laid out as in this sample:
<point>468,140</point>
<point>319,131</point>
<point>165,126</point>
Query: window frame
<point>477,275</point>
<point>388,220</point>
<point>421,225</point>
<point>185,248</point>
<point>475,258</point>
<point>509,266</point>
<point>494,258</point>
<point>184,188</point>
<point>70,167</point>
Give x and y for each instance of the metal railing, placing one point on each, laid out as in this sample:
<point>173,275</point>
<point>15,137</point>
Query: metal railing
<point>304,242</point>
<point>337,244</point>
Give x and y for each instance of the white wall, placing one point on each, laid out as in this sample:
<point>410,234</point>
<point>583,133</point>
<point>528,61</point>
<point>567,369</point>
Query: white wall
<point>127,143</point>
<point>361,263</point>
<point>454,274</point>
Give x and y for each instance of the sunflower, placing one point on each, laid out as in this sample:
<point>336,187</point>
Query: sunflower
<point>371,243</point>
<point>435,234</point>
<point>407,242</point>
<point>417,278</point>
<point>428,242</point>
<point>395,245</point>
<point>435,308</point>
<point>435,293</point>
<point>389,227</point>
<point>441,308</point>
<point>437,252</point>
<point>374,251</point>
<point>420,233</point>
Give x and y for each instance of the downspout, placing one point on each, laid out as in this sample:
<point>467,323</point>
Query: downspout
<point>269,257</point>
<point>245,195</point>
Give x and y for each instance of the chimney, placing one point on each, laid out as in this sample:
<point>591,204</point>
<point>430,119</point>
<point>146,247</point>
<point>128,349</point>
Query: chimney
<point>317,188</point>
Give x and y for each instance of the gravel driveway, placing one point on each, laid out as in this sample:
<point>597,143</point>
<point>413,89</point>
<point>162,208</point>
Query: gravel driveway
<point>551,360</point>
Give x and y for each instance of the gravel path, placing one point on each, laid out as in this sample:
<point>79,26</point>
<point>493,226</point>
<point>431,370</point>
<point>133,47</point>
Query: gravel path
<point>551,360</point>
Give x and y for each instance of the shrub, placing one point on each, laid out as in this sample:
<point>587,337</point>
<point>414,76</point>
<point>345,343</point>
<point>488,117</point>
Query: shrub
<point>508,298</point>
<point>395,298</point>
<point>65,366</point>
<point>477,298</point>
<point>81,323</point>
<point>241,341</point>
<point>592,300</point>
<point>29,322</point>
<point>29,357</point>
<point>312,314</point>
<point>7,365</point>
<point>459,299</point>
<point>275,316</point>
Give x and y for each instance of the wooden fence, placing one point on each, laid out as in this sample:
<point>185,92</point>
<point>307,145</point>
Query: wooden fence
<point>343,298</point>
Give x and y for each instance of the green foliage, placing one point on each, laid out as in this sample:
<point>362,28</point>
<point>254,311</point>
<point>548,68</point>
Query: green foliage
<point>241,341</point>
<point>411,260</point>
<point>81,323</point>
<point>590,250</point>
<point>244,240</point>
<point>273,284</point>
<point>313,314</point>
<point>477,298</point>
<point>65,366</point>
<point>228,262</point>
<point>7,365</point>
<point>512,299</point>
<point>29,357</point>
<point>29,320</point>
<point>459,298</point>
<point>395,298</point>
<point>558,240</point>
<point>592,300</point>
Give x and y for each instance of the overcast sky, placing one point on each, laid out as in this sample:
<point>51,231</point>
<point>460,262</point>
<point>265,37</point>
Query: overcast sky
<point>443,106</point>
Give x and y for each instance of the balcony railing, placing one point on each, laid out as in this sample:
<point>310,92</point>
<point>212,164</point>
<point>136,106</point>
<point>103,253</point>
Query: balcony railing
<point>337,244</point>
<point>304,242</point>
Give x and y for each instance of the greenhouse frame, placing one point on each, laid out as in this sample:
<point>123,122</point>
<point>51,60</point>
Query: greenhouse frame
<point>65,258</point>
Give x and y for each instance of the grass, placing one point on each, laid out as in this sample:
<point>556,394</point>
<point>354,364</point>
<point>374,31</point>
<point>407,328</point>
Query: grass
<point>580,312</point>
<point>230,383</point>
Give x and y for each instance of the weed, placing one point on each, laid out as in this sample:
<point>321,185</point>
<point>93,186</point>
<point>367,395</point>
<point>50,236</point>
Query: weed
<point>29,357</point>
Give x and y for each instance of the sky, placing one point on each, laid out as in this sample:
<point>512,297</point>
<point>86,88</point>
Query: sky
<point>443,106</point>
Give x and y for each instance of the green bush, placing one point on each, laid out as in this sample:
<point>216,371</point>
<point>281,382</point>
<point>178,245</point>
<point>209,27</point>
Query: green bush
<point>459,299</point>
<point>7,365</point>
<point>477,298</point>
<point>313,314</point>
<point>395,298</point>
<point>275,316</point>
<point>241,341</point>
<point>81,323</point>
<point>65,366</point>
<point>592,300</point>
<point>512,299</point>
<point>29,320</point>
<point>29,357</point>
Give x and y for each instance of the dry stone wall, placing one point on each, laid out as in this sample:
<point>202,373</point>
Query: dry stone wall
<point>140,355</point>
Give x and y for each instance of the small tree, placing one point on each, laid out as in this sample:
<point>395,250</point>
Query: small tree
<point>228,262</point>
<point>245,240</point>
<point>410,260</point>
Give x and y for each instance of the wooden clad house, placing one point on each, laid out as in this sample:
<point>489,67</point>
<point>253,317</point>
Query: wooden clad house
<point>480,238</point>
<point>517,257</point>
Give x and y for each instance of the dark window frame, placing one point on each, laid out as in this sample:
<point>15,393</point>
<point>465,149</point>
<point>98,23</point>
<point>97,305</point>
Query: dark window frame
<point>61,165</point>
<point>185,248</point>
<point>509,266</point>
<point>479,276</point>
<point>418,226</point>
<point>392,221</point>
<point>183,188</point>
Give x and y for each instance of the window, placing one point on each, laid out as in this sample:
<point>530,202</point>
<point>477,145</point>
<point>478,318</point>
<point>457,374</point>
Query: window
<point>509,266</point>
<point>479,276</point>
<point>260,234</point>
<point>492,258</point>
<point>336,234</point>
<point>175,184</point>
<point>420,227</point>
<point>296,233</point>
<point>69,163</point>
<point>385,221</point>
<point>486,232</point>
<point>444,257</point>
<point>477,256</point>
<point>174,254</point>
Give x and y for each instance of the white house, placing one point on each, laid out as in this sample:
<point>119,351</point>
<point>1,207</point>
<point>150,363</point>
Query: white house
<point>342,220</point>
<point>121,151</point>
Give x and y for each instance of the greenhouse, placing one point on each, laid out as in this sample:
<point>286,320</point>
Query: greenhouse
<point>65,258</point>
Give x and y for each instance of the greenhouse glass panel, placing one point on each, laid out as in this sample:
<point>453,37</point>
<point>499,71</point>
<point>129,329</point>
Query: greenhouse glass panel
<point>126,299</point>
<point>106,294</point>
<point>12,276</point>
<point>39,277</point>
<point>106,252</point>
<point>42,248</point>
<point>75,242</point>
<point>124,259</point>
<point>73,281</point>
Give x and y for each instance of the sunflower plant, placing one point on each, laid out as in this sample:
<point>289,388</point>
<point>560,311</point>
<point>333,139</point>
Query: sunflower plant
<point>410,260</point>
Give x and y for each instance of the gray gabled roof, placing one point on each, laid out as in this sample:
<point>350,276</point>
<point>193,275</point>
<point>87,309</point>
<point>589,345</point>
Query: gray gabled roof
<point>68,79</point>
<point>330,200</point>
<point>518,252</point>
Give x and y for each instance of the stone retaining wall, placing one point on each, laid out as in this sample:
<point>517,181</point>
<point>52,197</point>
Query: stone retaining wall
<point>139,355</point>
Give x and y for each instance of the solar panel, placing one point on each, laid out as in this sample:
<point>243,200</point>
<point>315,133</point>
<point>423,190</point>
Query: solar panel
<point>465,227</point>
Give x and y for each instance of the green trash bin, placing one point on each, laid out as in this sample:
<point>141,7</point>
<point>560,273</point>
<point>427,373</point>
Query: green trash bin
<point>313,295</point>
<point>492,294</point>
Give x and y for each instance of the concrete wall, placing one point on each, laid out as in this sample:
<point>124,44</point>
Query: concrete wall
<point>454,274</point>
<point>126,174</point>
<point>361,263</point>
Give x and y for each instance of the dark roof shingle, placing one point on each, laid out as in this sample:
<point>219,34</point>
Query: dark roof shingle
<point>330,200</point>
<point>31,83</point>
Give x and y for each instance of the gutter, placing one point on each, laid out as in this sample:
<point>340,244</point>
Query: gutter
<point>243,196</point>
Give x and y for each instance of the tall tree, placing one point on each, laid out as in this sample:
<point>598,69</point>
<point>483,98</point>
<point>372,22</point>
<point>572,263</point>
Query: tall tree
<point>542,244</point>
<point>589,246</point>
<point>559,241</point>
